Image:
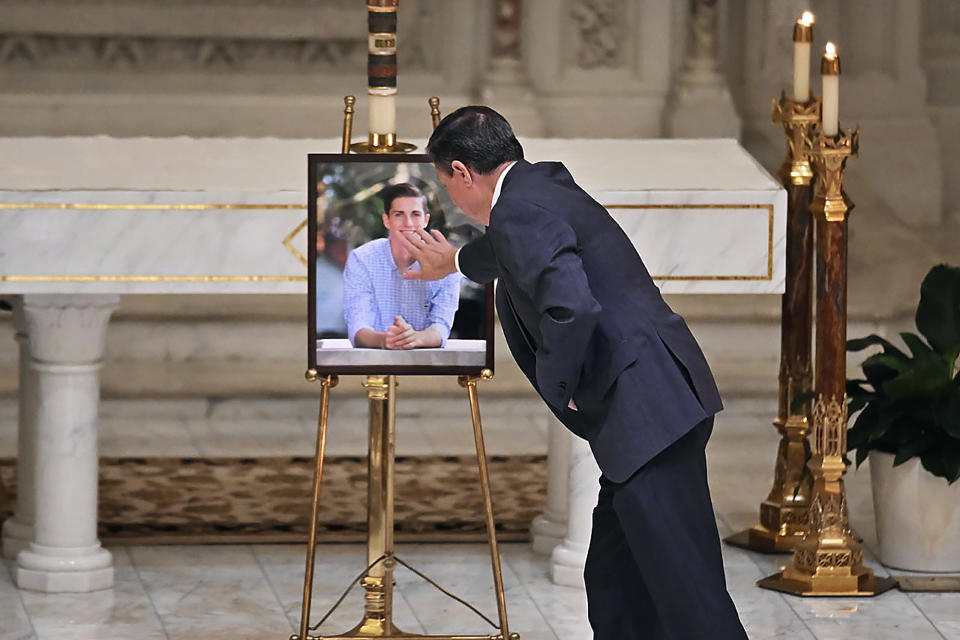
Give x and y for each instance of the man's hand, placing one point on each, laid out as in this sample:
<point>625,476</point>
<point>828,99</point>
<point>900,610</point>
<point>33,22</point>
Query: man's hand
<point>400,335</point>
<point>436,256</point>
<point>572,405</point>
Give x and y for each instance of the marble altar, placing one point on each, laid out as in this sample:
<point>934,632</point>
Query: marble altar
<point>83,220</point>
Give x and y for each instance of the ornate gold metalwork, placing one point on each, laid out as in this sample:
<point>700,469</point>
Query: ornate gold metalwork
<point>783,514</point>
<point>288,243</point>
<point>348,102</point>
<point>828,561</point>
<point>829,156</point>
<point>797,119</point>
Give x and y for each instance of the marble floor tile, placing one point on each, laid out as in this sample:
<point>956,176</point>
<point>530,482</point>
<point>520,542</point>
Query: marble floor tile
<point>465,571</point>
<point>563,609</point>
<point>210,592</point>
<point>15,622</point>
<point>337,566</point>
<point>891,615</point>
<point>125,609</point>
<point>942,609</point>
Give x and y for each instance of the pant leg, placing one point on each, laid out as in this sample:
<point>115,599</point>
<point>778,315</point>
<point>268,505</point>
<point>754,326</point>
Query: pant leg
<point>619,606</point>
<point>667,517</point>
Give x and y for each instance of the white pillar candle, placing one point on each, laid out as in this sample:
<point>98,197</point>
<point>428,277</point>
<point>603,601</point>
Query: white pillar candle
<point>383,113</point>
<point>830,76</point>
<point>802,37</point>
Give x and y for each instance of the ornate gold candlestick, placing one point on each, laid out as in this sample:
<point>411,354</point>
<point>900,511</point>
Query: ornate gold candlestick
<point>828,561</point>
<point>783,515</point>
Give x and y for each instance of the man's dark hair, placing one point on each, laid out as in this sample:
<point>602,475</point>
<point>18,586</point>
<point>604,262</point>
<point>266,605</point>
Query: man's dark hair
<point>477,136</point>
<point>401,190</point>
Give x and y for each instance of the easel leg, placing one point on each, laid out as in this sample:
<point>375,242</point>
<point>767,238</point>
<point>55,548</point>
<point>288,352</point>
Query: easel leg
<point>470,383</point>
<point>326,384</point>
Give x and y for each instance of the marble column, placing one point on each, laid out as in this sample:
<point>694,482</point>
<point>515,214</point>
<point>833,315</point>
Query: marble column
<point>506,86</point>
<point>700,104</point>
<point>18,528</point>
<point>569,557</point>
<point>66,338</point>
<point>549,528</point>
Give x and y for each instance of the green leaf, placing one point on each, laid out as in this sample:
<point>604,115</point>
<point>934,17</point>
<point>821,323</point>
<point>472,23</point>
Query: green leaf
<point>933,462</point>
<point>868,425</point>
<point>948,413</point>
<point>938,313</point>
<point>924,376</point>
<point>858,344</point>
<point>912,449</point>
<point>862,453</point>
<point>918,347</point>
<point>881,367</point>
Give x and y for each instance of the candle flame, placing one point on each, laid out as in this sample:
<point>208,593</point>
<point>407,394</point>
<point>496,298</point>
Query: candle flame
<point>830,51</point>
<point>807,19</point>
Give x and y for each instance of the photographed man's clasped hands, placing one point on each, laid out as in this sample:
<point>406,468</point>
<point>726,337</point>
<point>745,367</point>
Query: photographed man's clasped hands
<point>401,335</point>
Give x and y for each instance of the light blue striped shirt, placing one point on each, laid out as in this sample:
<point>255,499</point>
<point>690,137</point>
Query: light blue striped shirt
<point>374,293</point>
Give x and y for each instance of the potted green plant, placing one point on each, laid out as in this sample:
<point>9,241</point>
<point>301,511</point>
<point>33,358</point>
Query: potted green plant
<point>909,427</point>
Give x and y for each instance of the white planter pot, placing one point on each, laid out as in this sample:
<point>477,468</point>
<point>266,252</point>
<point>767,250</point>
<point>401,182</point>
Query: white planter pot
<point>918,516</point>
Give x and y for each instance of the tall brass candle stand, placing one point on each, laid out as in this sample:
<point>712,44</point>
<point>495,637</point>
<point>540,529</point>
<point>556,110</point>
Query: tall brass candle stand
<point>783,515</point>
<point>828,560</point>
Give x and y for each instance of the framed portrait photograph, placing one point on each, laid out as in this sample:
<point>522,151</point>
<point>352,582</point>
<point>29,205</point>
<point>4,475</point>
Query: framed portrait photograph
<point>364,316</point>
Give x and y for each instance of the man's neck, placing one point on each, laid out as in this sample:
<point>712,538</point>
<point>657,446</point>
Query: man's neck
<point>401,257</point>
<point>490,184</point>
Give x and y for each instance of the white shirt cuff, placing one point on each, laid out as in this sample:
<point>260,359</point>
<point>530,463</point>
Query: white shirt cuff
<point>456,261</point>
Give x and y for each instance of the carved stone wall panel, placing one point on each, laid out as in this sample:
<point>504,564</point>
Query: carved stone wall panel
<point>583,87</point>
<point>222,67</point>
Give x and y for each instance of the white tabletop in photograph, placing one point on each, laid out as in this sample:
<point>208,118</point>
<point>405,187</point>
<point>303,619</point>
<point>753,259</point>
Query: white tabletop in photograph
<point>338,352</point>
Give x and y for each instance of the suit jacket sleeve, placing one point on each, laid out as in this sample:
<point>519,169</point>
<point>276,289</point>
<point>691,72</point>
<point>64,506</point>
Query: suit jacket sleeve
<point>478,262</point>
<point>539,251</point>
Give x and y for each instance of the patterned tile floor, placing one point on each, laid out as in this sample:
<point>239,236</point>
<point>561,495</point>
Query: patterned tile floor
<point>253,591</point>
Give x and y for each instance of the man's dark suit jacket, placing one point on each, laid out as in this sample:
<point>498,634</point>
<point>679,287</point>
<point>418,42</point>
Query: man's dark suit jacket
<point>583,319</point>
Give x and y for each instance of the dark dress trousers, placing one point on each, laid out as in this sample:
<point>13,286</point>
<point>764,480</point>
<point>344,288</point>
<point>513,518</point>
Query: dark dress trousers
<point>584,320</point>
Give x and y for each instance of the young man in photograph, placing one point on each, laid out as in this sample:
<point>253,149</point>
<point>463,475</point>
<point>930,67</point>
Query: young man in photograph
<point>383,310</point>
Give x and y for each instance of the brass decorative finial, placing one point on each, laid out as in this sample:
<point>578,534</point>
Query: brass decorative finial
<point>435,110</point>
<point>348,102</point>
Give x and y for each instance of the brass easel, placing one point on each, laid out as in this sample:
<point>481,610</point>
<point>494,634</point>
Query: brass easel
<point>377,579</point>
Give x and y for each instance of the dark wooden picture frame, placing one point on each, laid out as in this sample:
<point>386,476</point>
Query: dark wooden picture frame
<point>314,163</point>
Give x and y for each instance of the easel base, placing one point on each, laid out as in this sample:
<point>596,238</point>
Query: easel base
<point>868,587</point>
<point>759,538</point>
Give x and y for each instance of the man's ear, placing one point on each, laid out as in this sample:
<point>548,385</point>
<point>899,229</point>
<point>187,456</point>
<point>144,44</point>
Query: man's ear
<point>461,172</point>
<point>386,220</point>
